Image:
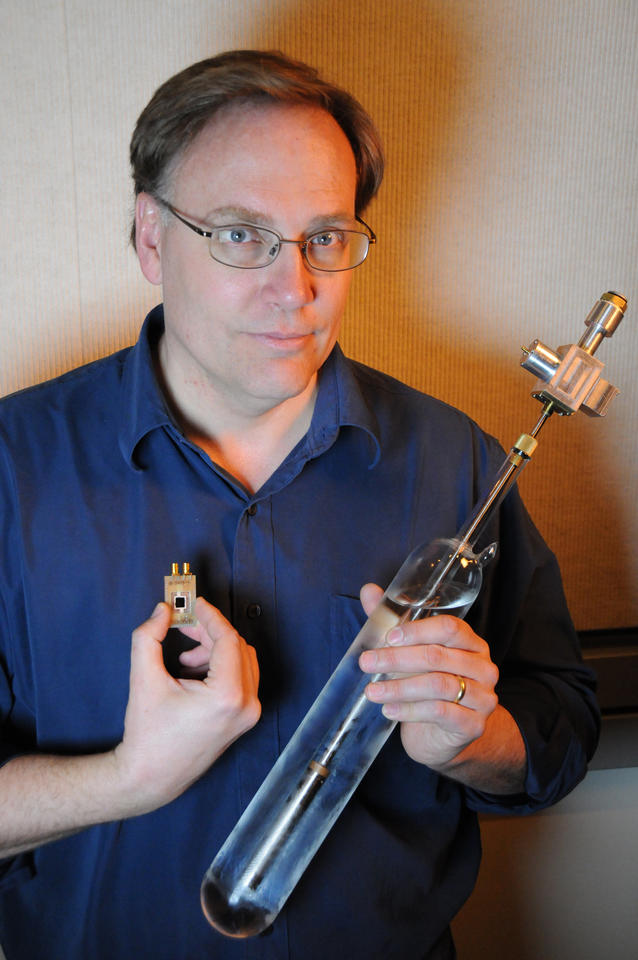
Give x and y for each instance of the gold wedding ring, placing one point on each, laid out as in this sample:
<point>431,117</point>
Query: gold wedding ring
<point>462,689</point>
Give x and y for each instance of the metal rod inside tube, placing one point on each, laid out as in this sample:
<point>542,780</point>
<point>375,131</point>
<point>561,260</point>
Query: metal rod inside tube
<point>502,485</point>
<point>303,795</point>
<point>318,768</point>
<point>317,772</point>
<point>468,535</point>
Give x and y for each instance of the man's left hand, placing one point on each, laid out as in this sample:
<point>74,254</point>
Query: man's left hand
<point>441,685</point>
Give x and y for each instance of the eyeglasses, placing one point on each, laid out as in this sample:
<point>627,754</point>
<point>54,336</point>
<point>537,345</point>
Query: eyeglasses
<point>249,247</point>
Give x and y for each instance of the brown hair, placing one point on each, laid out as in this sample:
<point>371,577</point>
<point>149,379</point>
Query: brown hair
<point>182,106</point>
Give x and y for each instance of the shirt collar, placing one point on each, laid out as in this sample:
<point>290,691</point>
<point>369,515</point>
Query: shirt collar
<point>341,403</point>
<point>340,399</point>
<point>143,407</point>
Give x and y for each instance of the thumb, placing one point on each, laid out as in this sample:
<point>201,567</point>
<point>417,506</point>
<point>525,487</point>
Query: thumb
<point>370,597</point>
<point>146,643</point>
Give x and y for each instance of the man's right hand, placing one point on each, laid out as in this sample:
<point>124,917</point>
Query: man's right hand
<point>175,729</point>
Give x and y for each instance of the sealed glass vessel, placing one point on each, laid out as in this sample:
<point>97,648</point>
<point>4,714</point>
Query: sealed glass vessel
<point>280,831</point>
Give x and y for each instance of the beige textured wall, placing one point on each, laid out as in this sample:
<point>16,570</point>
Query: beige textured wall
<point>560,885</point>
<point>509,207</point>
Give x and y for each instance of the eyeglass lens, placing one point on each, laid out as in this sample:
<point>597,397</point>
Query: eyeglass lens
<point>243,245</point>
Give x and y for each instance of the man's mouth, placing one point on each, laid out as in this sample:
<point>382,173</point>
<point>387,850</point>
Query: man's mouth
<point>283,341</point>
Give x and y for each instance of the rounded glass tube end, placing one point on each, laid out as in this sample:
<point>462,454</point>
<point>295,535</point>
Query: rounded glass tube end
<point>231,915</point>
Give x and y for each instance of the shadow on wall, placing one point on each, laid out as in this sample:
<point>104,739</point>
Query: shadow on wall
<point>559,885</point>
<point>420,70</point>
<point>408,63</point>
<point>427,307</point>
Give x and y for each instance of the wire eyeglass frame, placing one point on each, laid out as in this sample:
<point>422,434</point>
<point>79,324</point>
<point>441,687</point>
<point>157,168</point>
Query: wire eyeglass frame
<point>370,238</point>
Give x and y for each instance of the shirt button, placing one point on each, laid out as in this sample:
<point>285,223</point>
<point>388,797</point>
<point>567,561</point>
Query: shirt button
<point>253,610</point>
<point>252,510</point>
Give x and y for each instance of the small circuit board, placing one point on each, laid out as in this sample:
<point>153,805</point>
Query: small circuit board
<point>180,592</point>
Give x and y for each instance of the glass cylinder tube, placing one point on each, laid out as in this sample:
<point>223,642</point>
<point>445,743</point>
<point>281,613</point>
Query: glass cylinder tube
<point>259,865</point>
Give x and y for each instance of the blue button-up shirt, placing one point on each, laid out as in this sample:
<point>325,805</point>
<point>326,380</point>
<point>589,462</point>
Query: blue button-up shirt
<point>99,493</point>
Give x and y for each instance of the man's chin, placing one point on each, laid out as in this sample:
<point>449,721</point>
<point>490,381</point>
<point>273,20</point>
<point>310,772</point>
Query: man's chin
<point>297,387</point>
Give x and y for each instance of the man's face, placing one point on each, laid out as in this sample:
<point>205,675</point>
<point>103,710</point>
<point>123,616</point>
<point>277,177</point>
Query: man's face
<point>250,339</point>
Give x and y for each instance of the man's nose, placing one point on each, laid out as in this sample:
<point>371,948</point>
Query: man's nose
<point>291,280</point>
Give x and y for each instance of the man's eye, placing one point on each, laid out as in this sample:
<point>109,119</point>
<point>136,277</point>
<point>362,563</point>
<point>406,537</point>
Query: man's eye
<point>238,235</point>
<point>330,238</point>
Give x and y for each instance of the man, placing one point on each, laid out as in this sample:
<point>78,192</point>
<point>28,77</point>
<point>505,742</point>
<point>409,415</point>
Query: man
<point>236,436</point>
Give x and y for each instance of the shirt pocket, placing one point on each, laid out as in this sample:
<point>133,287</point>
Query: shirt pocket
<point>346,619</point>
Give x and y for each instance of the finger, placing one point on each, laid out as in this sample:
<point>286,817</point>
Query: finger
<point>443,629</point>
<point>208,625</point>
<point>224,654</point>
<point>433,698</point>
<point>196,632</point>
<point>429,658</point>
<point>213,622</point>
<point>208,622</point>
<point>253,665</point>
<point>229,653</point>
<point>370,595</point>
<point>196,657</point>
<point>446,687</point>
<point>146,643</point>
<point>455,719</point>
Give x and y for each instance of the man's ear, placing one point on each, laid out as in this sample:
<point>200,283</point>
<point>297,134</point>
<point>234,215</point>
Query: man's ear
<point>148,235</point>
